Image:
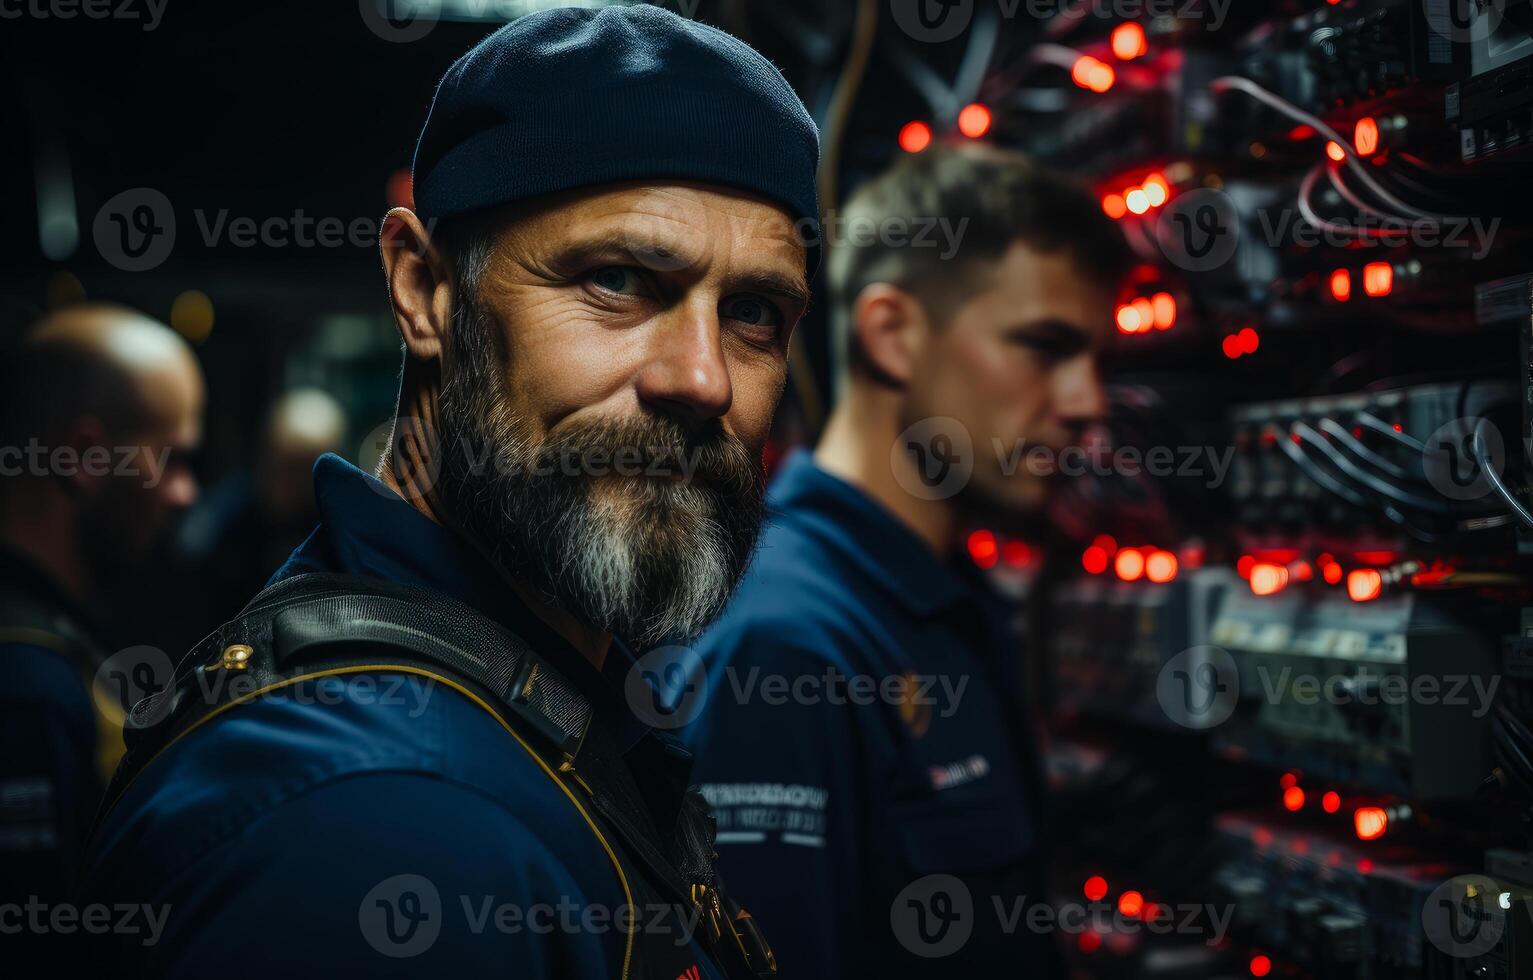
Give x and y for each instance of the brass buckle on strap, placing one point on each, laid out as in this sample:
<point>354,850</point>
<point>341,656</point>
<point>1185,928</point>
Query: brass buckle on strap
<point>746,939</point>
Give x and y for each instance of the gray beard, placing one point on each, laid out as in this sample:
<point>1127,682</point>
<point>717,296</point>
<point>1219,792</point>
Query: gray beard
<point>645,558</point>
<point>607,555</point>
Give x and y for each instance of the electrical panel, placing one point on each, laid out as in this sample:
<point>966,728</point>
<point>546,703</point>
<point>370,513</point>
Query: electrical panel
<point>1326,200</point>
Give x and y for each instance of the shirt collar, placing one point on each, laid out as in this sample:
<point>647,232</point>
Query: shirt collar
<point>368,529</point>
<point>889,552</point>
<point>20,574</point>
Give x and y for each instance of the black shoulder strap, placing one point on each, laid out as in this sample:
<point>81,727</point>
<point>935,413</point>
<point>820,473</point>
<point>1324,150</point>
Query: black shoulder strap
<point>25,618</point>
<point>314,625</point>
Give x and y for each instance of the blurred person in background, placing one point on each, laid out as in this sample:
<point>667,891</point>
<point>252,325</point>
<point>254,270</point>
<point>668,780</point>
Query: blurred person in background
<point>246,525</point>
<point>595,291</point>
<point>830,807</point>
<point>100,408</point>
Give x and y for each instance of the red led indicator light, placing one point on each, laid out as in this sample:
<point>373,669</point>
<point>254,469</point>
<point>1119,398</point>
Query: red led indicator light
<point>1130,904</point>
<point>1370,822</point>
<point>1365,136</point>
<point>974,120</point>
<point>1129,565</point>
<point>1341,285</point>
<point>1378,278</point>
<point>1364,584</point>
<point>915,137</point>
<point>1129,42</point>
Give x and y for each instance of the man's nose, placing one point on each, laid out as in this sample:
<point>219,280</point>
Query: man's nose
<point>685,374</point>
<point>1078,393</point>
<point>182,490</point>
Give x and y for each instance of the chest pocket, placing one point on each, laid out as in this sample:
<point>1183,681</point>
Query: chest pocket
<point>934,836</point>
<point>958,801</point>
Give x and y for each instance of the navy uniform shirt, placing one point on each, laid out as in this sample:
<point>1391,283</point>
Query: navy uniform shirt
<point>50,739</point>
<point>379,825</point>
<point>840,793</point>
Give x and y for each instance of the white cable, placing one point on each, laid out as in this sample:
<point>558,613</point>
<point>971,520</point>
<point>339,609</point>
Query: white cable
<point>1307,210</point>
<point>1355,162</point>
<point>1333,171</point>
<point>1482,457</point>
<point>1053,54</point>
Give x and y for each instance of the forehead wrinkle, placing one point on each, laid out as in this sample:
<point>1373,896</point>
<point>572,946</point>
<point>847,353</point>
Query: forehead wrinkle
<point>706,232</point>
<point>649,233</point>
<point>785,279</point>
<point>742,217</point>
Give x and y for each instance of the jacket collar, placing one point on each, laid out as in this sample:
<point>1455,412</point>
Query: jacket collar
<point>888,552</point>
<point>368,529</point>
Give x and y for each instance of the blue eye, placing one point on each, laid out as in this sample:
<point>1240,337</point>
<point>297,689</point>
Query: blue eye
<point>752,310</point>
<point>617,279</point>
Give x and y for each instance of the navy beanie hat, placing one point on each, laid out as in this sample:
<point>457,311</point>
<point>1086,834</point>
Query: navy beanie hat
<point>574,97</point>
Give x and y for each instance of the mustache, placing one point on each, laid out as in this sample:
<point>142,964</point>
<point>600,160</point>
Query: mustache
<point>650,445</point>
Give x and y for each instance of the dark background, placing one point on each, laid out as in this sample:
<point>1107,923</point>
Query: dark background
<point>262,110</point>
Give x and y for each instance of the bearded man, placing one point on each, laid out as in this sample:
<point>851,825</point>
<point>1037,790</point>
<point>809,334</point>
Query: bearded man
<point>412,753</point>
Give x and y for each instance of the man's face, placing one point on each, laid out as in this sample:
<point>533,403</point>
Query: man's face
<point>622,364</point>
<point>1017,365</point>
<point>127,513</point>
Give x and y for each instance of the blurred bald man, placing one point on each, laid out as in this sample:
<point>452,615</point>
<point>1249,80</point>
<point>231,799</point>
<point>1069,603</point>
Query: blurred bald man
<point>99,408</point>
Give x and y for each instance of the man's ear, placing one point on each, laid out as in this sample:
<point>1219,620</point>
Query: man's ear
<point>86,434</point>
<point>420,283</point>
<point>891,330</point>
